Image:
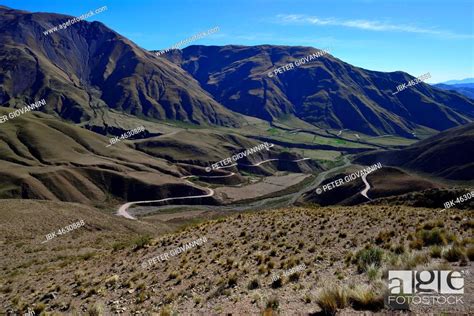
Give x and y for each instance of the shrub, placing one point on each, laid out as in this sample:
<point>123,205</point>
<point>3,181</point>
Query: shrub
<point>277,283</point>
<point>111,281</point>
<point>416,244</point>
<point>432,237</point>
<point>468,224</point>
<point>39,308</point>
<point>141,242</point>
<point>331,299</point>
<point>470,253</point>
<point>398,249</point>
<point>169,298</point>
<point>384,237</point>
<point>118,246</point>
<point>365,299</point>
<point>435,252</point>
<point>413,260</point>
<point>431,225</point>
<point>232,281</point>
<point>96,310</point>
<point>87,255</point>
<point>173,275</point>
<point>453,254</point>
<point>372,272</point>
<point>166,311</point>
<point>273,303</point>
<point>294,277</point>
<point>254,284</point>
<point>368,256</point>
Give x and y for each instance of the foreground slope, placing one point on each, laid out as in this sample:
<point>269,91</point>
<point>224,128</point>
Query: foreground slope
<point>232,270</point>
<point>448,154</point>
<point>88,70</point>
<point>326,91</point>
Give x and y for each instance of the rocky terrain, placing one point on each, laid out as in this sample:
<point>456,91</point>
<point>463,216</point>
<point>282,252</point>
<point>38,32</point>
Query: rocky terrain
<point>104,266</point>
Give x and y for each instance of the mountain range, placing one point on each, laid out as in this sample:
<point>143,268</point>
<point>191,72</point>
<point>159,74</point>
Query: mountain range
<point>233,143</point>
<point>92,76</point>
<point>326,92</point>
<point>466,89</point>
<point>462,81</point>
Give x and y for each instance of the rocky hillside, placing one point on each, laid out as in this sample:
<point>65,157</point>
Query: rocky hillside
<point>448,154</point>
<point>88,70</point>
<point>325,91</point>
<point>43,158</point>
<point>289,261</point>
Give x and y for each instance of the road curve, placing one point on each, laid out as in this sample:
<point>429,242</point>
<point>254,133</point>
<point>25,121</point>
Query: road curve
<point>122,211</point>
<point>261,162</point>
<point>367,187</point>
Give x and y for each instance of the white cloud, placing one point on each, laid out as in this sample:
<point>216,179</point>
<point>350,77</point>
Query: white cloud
<point>365,25</point>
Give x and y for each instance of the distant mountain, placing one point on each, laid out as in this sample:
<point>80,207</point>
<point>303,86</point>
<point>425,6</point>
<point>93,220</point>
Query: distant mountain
<point>466,89</point>
<point>326,91</point>
<point>87,71</point>
<point>448,154</point>
<point>463,81</point>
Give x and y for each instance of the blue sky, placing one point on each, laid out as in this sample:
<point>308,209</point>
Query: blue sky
<point>416,36</point>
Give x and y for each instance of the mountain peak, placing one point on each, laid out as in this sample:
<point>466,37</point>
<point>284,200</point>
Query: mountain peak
<point>87,70</point>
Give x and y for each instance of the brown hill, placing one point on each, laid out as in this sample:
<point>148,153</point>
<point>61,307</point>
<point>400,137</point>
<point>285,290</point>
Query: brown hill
<point>384,182</point>
<point>43,158</point>
<point>326,91</point>
<point>448,154</point>
<point>87,70</point>
<point>432,198</point>
<point>202,147</point>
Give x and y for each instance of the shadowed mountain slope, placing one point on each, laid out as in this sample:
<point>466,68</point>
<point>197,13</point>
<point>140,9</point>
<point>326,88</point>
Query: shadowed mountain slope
<point>384,182</point>
<point>42,158</point>
<point>196,150</point>
<point>448,154</point>
<point>88,70</point>
<point>326,91</point>
<point>466,89</point>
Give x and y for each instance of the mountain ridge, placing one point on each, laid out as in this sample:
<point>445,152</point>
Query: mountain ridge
<point>88,69</point>
<point>326,92</point>
<point>447,154</point>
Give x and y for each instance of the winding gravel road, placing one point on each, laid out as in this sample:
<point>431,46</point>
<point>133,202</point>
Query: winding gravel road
<point>123,210</point>
<point>367,187</point>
